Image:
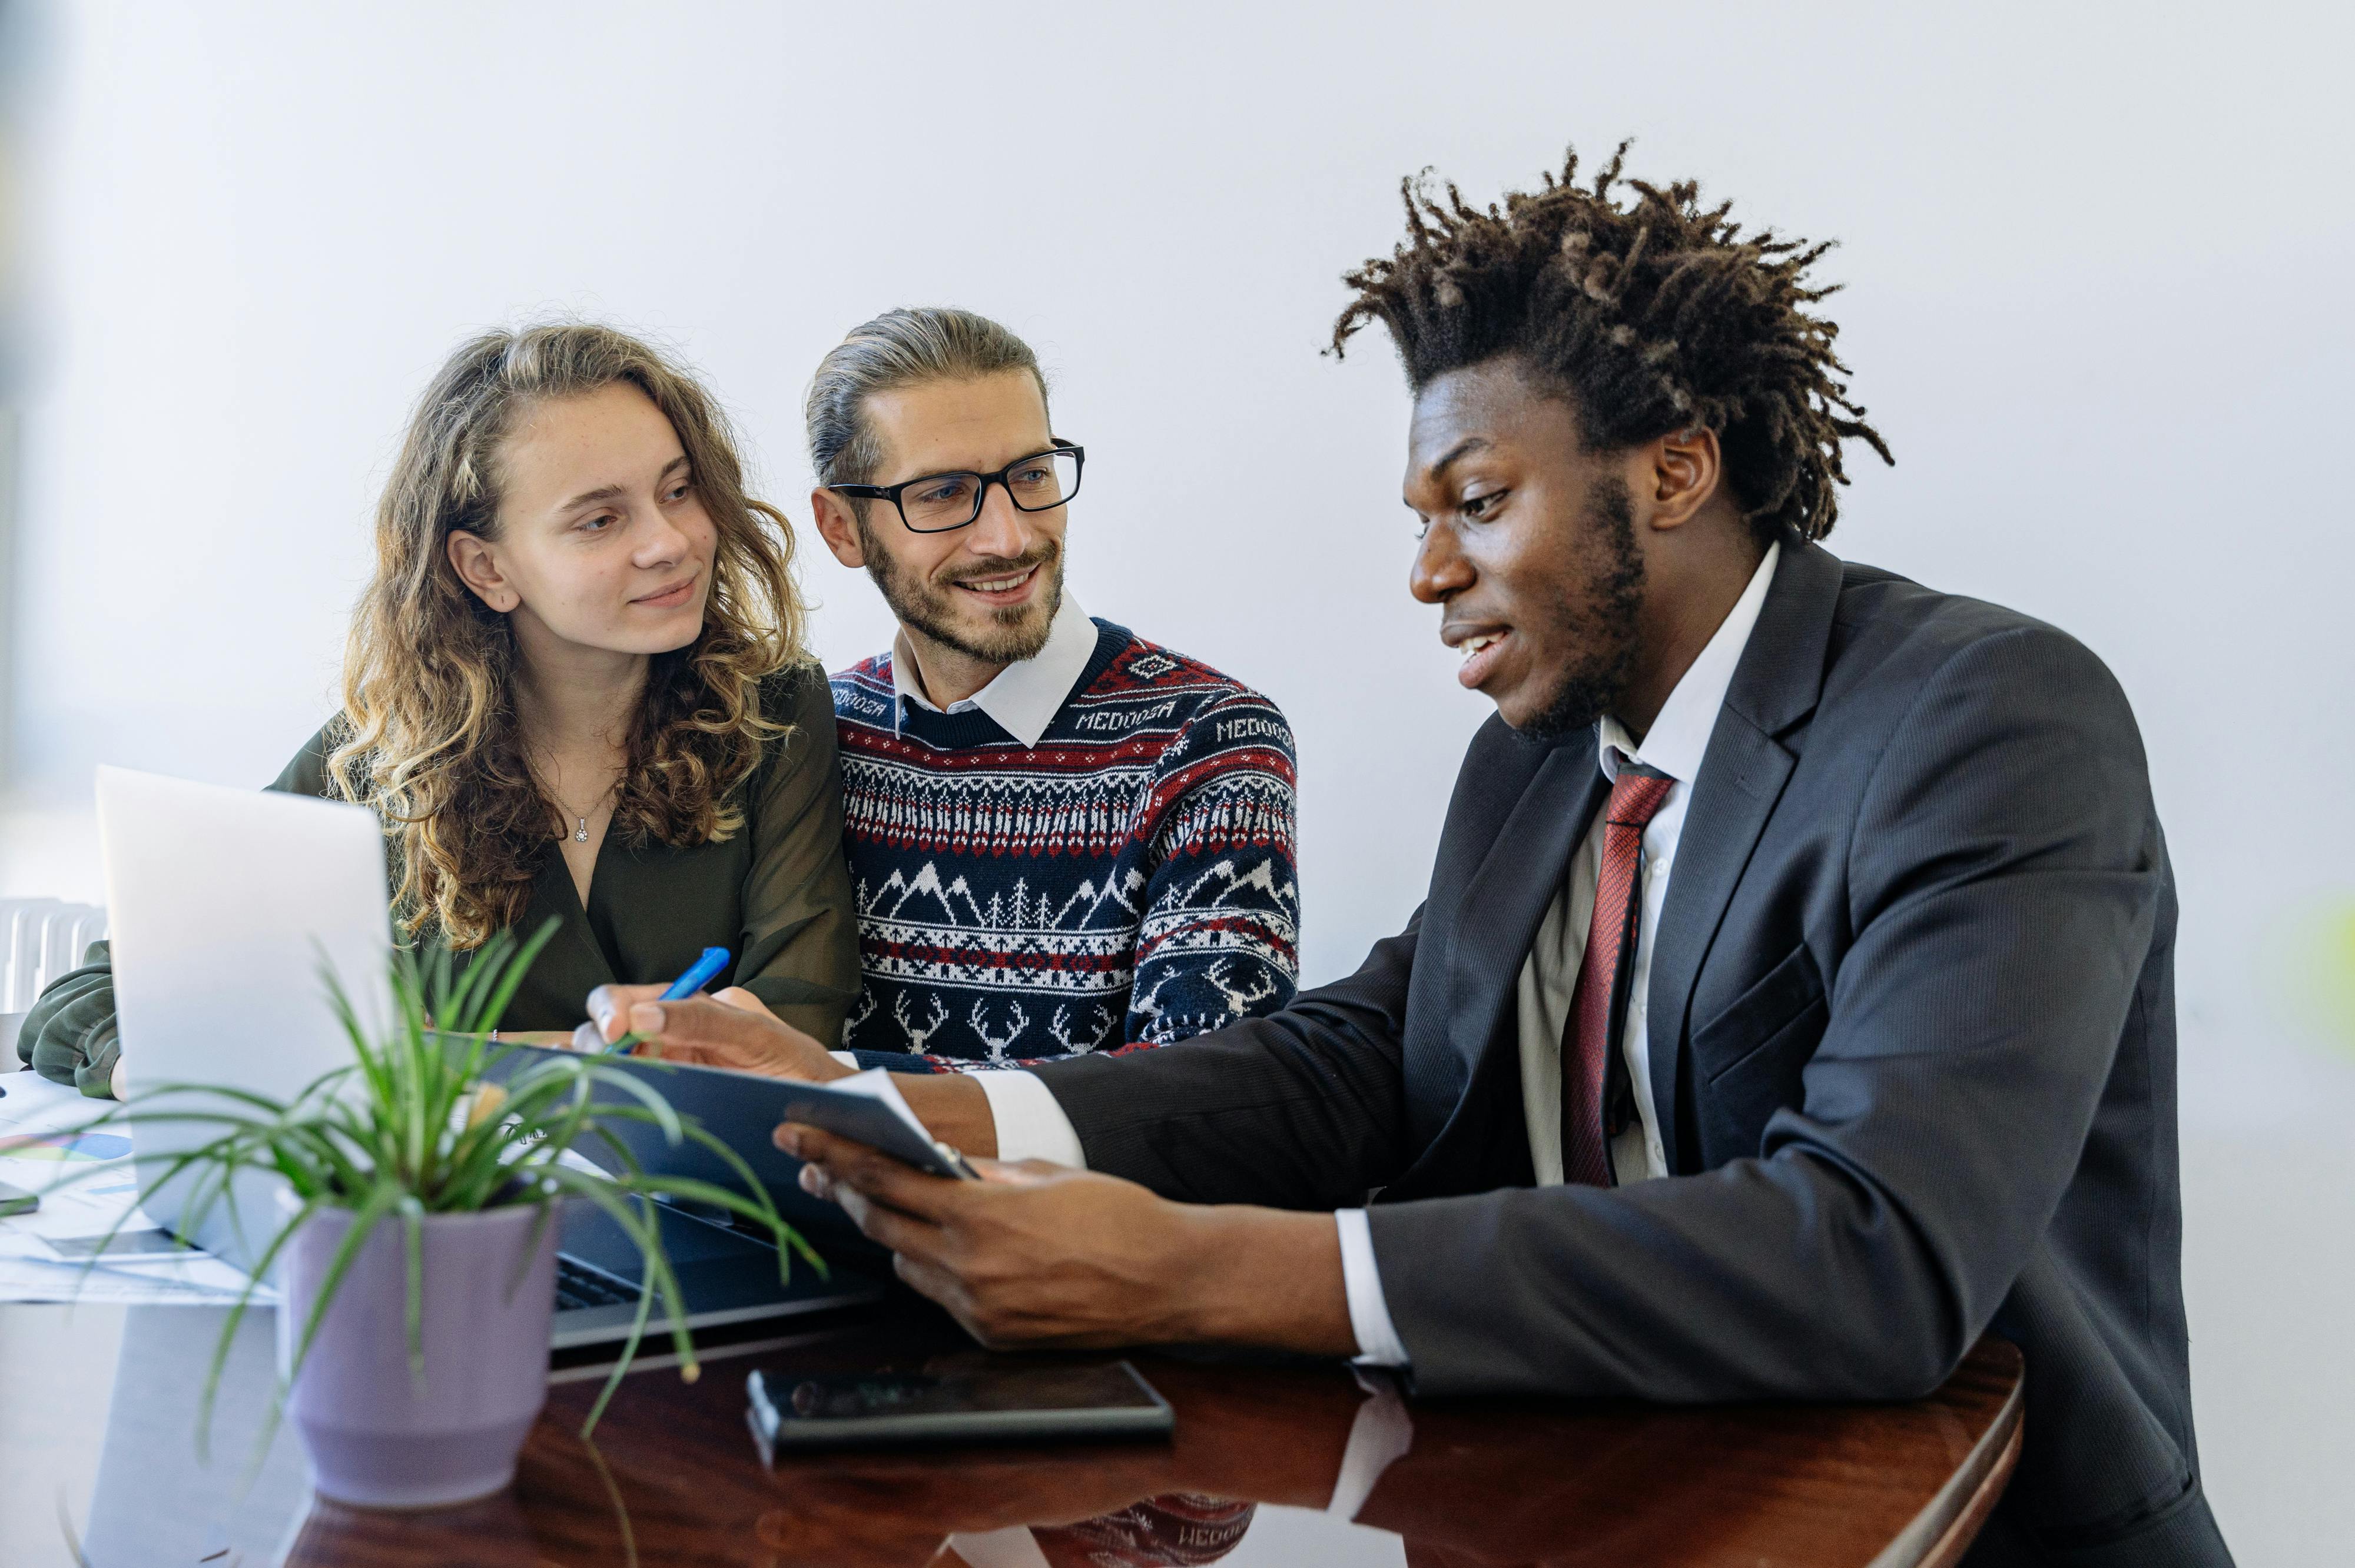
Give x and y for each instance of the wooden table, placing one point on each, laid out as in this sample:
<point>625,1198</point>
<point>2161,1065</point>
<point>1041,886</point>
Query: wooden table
<point>1252,1477</point>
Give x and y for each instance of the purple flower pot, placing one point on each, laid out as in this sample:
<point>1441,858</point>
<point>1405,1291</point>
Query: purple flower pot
<point>378,1437</point>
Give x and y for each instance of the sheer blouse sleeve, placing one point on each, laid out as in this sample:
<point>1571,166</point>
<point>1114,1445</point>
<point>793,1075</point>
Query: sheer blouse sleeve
<point>801,933</point>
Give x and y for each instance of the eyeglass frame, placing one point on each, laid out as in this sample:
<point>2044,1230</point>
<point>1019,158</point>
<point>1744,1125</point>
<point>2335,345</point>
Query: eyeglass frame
<point>891,493</point>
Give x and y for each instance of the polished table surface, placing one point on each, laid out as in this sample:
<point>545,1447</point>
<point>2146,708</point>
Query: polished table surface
<point>1298,1463</point>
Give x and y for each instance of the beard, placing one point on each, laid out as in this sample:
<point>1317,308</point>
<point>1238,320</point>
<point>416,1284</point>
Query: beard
<point>1009,633</point>
<point>1602,622</point>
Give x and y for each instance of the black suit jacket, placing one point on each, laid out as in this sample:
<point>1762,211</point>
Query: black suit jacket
<point>1911,1035</point>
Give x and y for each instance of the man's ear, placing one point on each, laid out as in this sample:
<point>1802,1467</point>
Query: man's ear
<point>472,559</point>
<point>837,526</point>
<point>1688,468</point>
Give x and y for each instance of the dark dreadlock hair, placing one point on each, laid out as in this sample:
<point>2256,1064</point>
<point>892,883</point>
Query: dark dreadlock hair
<point>1654,314</point>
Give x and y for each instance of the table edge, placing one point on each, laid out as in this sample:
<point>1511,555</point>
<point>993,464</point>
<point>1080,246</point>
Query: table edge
<point>1923,1542</point>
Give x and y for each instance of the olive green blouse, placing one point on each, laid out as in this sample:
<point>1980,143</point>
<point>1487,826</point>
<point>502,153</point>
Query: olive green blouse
<point>777,895</point>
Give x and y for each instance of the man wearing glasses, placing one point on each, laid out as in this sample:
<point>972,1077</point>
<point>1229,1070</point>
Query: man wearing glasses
<point>1063,838</point>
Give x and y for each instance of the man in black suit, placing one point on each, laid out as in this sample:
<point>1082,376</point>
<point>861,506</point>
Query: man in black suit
<point>1793,997</point>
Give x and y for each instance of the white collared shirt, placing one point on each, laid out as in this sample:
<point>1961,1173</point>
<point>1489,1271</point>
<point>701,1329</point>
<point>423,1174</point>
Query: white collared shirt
<point>1675,745</point>
<point>1023,698</point>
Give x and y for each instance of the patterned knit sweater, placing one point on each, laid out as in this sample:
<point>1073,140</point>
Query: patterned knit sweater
<point>1127,881</point>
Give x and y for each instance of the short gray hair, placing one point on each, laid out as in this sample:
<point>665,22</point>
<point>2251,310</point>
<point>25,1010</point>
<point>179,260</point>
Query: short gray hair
<point>899,348</point>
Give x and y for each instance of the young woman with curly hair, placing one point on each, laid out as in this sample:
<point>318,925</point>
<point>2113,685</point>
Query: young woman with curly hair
<point>575,686</point>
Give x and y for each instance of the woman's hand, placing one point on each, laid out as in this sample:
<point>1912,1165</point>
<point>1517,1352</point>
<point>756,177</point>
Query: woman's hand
<point>730,1030</point>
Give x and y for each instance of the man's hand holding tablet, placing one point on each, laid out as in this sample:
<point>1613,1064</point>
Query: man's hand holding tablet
<point>1036,1254</point>
<point>1033,1253</point>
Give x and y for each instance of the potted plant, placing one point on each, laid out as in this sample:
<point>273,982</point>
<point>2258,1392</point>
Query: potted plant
<point>416,1245</point>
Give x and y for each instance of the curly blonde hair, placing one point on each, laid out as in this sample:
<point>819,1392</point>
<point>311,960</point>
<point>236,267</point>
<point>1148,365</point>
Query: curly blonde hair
<point>429,736</point>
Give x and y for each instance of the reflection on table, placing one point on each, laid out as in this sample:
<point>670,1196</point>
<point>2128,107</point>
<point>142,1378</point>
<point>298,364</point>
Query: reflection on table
<point>1289,1463</point>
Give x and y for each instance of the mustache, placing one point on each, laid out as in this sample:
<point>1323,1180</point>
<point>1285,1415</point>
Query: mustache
<point>1040,555</point>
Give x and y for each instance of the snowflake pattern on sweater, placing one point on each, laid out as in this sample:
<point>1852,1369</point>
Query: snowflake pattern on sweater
<point>1127,881</point>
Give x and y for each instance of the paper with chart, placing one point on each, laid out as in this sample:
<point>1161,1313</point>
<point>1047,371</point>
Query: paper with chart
<point>87,1185</point>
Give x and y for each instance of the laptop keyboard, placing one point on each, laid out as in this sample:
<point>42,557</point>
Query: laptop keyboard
<point>579,1286</point>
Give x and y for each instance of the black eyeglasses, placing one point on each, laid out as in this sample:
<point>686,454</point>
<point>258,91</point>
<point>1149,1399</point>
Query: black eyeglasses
<point>938,502</point>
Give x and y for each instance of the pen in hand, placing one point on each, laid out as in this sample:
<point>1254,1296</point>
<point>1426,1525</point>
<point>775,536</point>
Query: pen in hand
<point>698,974</point>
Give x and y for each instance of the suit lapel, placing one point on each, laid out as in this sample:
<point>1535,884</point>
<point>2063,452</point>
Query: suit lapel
<point>1740,783</point>
<point>1742,776</point>
<point>1497,918</point>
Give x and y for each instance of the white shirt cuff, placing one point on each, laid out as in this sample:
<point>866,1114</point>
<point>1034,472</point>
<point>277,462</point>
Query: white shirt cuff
<point>1012,1547</point>
<point>1030,1124</point>
<point>1380,1436</point>
<point>1370,1315</point>
<point>846,1058</point>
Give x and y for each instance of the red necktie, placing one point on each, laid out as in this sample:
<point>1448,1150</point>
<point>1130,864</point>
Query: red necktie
<point>1586,1044</point>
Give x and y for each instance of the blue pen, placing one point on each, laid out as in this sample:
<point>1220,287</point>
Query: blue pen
<point>698,975</point>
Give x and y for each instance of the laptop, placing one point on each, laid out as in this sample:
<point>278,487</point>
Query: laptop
<point>228,906</point>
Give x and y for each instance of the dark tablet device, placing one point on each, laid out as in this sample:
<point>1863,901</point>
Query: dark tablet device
<point>991,1405</point>
<point>742,1109</point>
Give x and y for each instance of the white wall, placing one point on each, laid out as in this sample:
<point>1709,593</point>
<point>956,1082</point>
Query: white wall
<point>2096,258</point>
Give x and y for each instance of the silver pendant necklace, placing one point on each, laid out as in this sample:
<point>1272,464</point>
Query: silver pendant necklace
<point>580,830</point>
<point>581,822</point>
